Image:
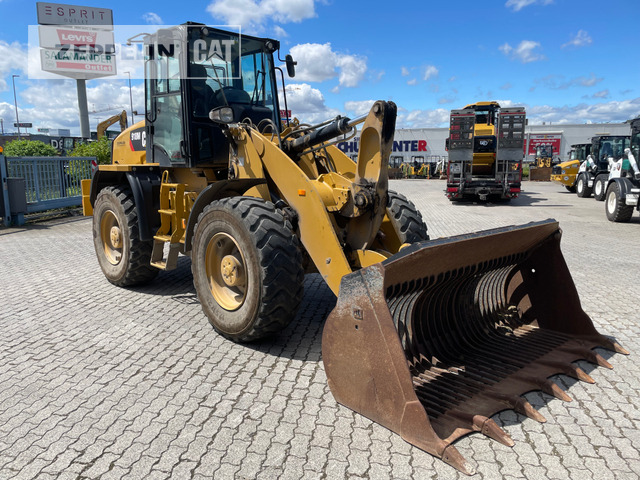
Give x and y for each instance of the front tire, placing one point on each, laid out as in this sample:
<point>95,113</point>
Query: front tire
<point>571,189</point>
<point>617,210</point>
<point>406,219</point>
<point>599,187</point>
<point>582,186</point>
<point>123,257</point>
<point>247,268</point>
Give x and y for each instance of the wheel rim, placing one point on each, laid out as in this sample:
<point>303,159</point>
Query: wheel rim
<point>226,271</point>
<point>598,188</point>
<point>611,202</point>
<point>580,185</point>
<point>111,237</point>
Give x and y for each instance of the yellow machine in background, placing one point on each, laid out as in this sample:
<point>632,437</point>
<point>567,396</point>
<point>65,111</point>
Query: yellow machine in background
<point>565,173</point>
<point>102,127</point>
<point>428,338</point>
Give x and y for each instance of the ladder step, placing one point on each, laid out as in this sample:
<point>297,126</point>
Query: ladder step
<point>157,259</point>
<point>166,212</point>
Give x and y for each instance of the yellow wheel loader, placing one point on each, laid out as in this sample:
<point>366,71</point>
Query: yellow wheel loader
<point>428,338</point>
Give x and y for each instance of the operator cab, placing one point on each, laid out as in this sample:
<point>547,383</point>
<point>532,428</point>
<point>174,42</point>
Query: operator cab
<point>193,69</point>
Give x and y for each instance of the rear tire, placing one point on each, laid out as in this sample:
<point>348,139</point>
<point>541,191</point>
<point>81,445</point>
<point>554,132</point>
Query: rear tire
<point>123,257</point>
<point>617,210</point>
<point>406,219</point>
<point>582,186</point>
<point>247,268</point>
<point>571,188</point>
<point>600,187</point>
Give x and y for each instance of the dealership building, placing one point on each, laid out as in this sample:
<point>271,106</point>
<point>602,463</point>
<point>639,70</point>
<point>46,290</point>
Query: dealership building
<point>428,144</point>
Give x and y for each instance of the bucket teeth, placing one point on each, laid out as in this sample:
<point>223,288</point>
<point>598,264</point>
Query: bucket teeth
<point>453,457</point>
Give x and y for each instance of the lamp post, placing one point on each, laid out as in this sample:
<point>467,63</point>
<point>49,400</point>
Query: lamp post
<point>133,120</point>
<point>15,101</point>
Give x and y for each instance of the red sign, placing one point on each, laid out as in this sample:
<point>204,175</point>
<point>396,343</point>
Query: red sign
<point>553,139</point>
<point>77,37</point>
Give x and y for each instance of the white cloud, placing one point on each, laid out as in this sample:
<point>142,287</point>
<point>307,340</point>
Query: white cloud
<point>430,72</point>
<point>359,107</point>
<point>506,86</point>
<point>558,82</point>
<point>422,118</point>
<point>446,100</point>
<point>279,32</point>
<point>518,5</point>
<point>54,103</point>
<point>604,112</point>
<point>524,52</point>
<point>352,69</point>
<point>413,81</point>
<point>307,103</point>
<point>152,18</point>
<point>13,58</point>
<point>253,14</point>
<point>404,71</point>
<point>582,39</point>
<point>318,62</point>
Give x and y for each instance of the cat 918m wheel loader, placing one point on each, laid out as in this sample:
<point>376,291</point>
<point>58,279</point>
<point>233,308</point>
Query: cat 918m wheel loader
<point>428,338</point>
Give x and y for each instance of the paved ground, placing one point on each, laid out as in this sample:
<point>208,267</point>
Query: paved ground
<point>102,382</point>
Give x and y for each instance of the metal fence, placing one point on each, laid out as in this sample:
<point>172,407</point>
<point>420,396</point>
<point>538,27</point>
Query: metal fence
<point>50,182</point>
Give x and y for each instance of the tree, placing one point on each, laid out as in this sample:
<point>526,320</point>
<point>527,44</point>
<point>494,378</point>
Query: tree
<point>29,148</point>
<point>100,149</point>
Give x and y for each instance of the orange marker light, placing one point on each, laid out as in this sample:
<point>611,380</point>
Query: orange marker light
<point>302,193</point>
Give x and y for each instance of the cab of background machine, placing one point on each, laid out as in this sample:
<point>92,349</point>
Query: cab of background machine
<point>192,70</point>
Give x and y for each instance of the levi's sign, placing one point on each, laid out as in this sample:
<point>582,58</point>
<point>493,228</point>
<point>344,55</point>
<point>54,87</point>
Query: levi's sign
<point>82,39</point>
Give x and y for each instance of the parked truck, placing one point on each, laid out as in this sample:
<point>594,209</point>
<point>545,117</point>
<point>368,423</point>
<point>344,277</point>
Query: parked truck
<point>565,173</point>
<point>485,147</point>
<point>429,338</point>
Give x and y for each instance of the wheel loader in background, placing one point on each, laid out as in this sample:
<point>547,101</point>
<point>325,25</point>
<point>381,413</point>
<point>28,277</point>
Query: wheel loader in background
<point>540,171</point>
<point>485,147</point>
<point>565,173</point>
<point>594,171</point>
<point>623,184</point>
<point>428,338</point>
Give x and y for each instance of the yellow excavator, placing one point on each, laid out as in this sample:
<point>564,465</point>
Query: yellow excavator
<point>101,129</point>
<point>428,337</point>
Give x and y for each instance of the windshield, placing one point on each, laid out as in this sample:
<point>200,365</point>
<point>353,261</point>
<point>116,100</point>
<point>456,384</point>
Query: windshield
<point>613,147</point>
<point>245,84</point>
<point>579,153</point>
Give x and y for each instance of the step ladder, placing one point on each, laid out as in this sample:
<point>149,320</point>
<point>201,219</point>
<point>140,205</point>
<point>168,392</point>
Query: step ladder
<point>172,224</point>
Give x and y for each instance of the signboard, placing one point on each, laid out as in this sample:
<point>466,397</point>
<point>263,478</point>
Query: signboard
<point>98,41</point>
<point>398,146</point>
<point>553,139</point>
<point>78,64</point>
<point>43,130</point>
<point>59,14</point>
<point>23,125</point>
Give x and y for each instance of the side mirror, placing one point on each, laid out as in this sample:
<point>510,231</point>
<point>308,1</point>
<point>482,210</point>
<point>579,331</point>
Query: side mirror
<point>222,115</point>
<point>291,66</point>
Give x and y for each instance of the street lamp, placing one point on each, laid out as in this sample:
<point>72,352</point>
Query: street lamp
<point>133,119</point>
<point>15,101</point>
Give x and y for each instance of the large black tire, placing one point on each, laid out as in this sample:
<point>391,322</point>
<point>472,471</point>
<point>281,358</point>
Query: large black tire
<point>617,210</point>
<point>571,188</point>
<point>600,187</point>
<point>123,257</point>
<point>406,219</point>
<point>582,186</point>
<point>247,268</point>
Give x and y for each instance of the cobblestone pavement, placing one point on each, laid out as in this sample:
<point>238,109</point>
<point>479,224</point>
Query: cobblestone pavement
<point>103,382</point>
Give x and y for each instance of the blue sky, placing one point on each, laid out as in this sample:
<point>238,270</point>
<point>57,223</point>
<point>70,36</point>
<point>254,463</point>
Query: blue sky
<point>566,61</point>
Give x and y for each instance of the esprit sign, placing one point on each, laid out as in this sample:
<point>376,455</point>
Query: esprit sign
<point>59,14</point>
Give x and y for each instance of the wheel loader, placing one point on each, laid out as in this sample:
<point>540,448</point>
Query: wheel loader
<point>429,338</point>
<point>565,173</point>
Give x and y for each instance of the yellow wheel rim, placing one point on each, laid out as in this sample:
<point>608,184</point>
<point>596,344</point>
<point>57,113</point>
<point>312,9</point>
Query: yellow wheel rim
<point>226,272</point>
<point>111,236</point>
